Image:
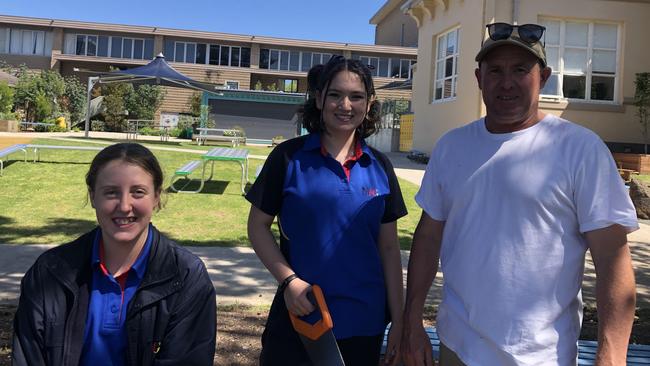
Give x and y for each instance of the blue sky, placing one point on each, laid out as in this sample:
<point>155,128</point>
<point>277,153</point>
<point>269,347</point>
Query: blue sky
<point>326,20</point>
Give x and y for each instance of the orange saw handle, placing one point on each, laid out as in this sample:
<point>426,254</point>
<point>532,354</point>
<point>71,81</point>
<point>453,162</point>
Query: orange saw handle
<point>316,330</point>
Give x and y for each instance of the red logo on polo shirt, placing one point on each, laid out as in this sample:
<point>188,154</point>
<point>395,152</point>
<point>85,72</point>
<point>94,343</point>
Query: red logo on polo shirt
<point>370,192</point>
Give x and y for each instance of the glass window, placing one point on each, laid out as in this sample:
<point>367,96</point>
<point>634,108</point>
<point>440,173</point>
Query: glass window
<point>234,56</point>
<point>374,64</point>
<point>383,67</point>
<point>4,40</point>
<point>305,64</point>
<point>316,59</point>
<point>326,57</point>
<point>27,43</point>
<point>190,53</point>
<point>81,45</point>
<point>39,43</point>
<point>245,60</point>
<point>232,84</point>
<point>404,68</point>
<point>264,58</point>
<point>148,49</point>
<point>225,56</point>
<point>102,46</point>
<point>138,47</point>
<point>394,67</point>
<point>583,59</point>
<point>179,54</point>
<point>116,47</point>
<point>284,60</point>
<point>214,54</point>
<point>200,53</point>
<point>91,46</point>
<point>127,48</point>
<point>289,85</point>
<point>274,60</point>
<point>15,39</point>
<point>294,61</point>
<point>446,73</point>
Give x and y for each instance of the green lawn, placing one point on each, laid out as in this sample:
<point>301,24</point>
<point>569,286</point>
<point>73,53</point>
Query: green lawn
<point>45,202</point>
<point>644,178</point>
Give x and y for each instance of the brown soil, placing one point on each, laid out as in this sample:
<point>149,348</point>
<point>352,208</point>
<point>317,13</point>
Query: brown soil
<point>8,141</point>
<point>239,329</point>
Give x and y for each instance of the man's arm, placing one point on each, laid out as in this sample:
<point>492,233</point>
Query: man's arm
<point>422,269</point>
<point>615,292</point>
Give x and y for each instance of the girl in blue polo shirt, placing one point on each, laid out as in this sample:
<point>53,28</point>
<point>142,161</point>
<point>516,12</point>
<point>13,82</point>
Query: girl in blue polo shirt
<point>123,293</point>
<point>337,201</point>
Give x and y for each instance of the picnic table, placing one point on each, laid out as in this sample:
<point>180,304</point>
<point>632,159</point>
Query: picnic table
<point>217,154</point>
<point>219,134</point>
<point>133,128</point>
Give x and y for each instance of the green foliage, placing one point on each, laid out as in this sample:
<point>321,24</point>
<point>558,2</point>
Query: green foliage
<point>204,119</point>
<point>195,104</point>
<point>4,116</point>
<point>114,106</point>
<point>272,87</point>
<point>642,102</point>
<point>43,108</point>
<point>143,101</point>
<point>150,131</point>
<point>258,85</point>
<point>97,125</point>
<point>74,99</point>
<point>6,97</point>
<point>34,91</point>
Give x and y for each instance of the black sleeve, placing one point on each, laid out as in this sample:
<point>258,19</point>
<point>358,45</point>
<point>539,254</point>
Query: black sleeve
<point>28,344</point>
<point>395,206</point>
<point>266,192</point>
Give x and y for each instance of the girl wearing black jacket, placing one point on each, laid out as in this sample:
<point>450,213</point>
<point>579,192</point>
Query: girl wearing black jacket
<point>122,294</point>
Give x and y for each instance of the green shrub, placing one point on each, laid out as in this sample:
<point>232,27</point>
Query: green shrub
<point>97,125</point>
<point>6,97</point>
<point>175,132</point>
<point>43,108</point>
<point>56,128</point>
<point>8,116</point>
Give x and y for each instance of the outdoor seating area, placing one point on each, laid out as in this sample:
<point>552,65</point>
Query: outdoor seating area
<point>234,137</point>
<point>134,126</point>
<point>210,157</point>
<point>27,126</point>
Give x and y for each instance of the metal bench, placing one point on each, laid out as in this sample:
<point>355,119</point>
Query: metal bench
<point>10,150</point>
<point>219,134</point>
<point>637,354</point>
<point>38,148</point>
<point>184,171</point>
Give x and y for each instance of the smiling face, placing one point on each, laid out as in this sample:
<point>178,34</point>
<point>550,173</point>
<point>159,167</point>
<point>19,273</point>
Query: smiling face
<point>124,199</point>
<point>510,79</point>
<point>345,104</point>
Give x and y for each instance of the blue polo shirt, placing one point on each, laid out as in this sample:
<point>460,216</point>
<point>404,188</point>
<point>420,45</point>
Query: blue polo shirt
<point>105,337</point>
<point>330,224</point>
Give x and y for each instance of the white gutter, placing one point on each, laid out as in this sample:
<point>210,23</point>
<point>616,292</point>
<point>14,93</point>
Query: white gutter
<point>515,11</point>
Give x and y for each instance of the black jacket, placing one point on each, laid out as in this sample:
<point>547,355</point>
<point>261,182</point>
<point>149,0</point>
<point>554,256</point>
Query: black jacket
<point>173,310</point>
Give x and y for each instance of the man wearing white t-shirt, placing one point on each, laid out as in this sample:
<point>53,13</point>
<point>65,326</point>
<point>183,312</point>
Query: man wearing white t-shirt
<point>511,202</point>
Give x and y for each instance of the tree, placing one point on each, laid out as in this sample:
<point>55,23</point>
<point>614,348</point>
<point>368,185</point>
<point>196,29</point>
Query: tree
<point>6,97</point>
<point>143,101</point>
<point>47,87</point>
<point>114,106</point>
<point>195,104</point>
<point>74,99</point>
<point>642,102</point>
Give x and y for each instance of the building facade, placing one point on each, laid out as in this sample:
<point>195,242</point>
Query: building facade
<point>393,27</point>
<point>595,48</point>
<point>235,61</point>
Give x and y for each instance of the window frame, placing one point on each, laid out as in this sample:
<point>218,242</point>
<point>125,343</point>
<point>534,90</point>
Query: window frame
<point>588,74</point>
<point>443,60</point>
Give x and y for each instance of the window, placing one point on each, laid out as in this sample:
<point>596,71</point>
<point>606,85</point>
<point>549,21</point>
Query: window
<point>446,67</point>
<point>232,84</point>
<point>105,46</point>
<point>306,61</point>
<point>200,53</point>
<point>583,58</point>
<point>235,53</point>
<point>225,56</point>
<point>116,47</point>
<point>102,46</point>
<point>245,60</point>
<point>214,55</point>
<point>138,45</point>
<point>387,67</point>
<point>289,85</point>
<point>25,42</point>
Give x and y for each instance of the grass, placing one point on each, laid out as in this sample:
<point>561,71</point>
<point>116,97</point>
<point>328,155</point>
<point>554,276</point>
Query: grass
<point>45,202</point>
<point>645,178</point>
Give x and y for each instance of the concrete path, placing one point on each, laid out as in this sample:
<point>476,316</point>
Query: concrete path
<point>239,277</point>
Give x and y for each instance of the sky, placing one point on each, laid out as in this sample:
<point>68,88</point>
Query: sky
<point>345,21</point>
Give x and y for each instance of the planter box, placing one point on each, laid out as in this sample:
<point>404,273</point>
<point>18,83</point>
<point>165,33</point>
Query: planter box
<point>8,126</point>
<point>636,162</point>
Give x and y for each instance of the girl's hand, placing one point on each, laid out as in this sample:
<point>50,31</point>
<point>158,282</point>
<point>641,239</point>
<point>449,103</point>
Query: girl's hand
<point>393,356</point>
<point>295,297</point>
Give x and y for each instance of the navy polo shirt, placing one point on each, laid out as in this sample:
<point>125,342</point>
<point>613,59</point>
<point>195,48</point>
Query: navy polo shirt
<point>105,337</point>
<point>329,225</point>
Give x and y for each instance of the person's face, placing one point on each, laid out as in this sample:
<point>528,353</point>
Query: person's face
<point>510,79</point>
<point>124,199</point>
<point>345,106</point>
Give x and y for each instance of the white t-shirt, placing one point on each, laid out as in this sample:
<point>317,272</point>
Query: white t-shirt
<point>515,206</point>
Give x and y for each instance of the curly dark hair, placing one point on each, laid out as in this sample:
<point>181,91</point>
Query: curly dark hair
<point>319,78</point>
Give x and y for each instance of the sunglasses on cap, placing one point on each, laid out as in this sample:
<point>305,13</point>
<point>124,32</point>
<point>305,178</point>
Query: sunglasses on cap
<point>529,33</point>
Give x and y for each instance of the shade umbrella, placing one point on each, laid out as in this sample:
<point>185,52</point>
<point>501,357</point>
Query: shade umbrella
<point>156,72</point>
